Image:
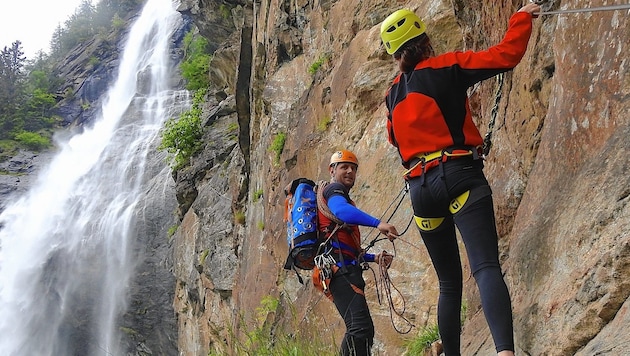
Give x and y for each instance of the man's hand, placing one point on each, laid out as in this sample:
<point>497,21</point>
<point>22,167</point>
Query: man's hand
<point>388,230</point>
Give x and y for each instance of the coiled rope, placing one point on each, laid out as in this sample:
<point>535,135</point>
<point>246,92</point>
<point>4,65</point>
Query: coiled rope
<point>384,290</point>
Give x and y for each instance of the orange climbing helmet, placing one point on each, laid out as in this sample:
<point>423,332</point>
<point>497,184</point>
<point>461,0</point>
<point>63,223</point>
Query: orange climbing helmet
<point>343,156</point>
<point>399,27</point>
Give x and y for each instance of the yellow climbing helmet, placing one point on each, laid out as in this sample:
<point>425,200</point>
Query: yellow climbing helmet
<point>400,27</point>
<point>343,156</point>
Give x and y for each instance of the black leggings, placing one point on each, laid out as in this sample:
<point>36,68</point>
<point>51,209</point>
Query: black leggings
<point>348,295</point>
<point>475,221</point>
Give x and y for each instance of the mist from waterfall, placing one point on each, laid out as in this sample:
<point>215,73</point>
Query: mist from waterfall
<point>66,246</point>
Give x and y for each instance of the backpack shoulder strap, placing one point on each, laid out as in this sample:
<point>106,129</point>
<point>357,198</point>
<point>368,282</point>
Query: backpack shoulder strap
<point>322,206</point>
<point>321,202</point>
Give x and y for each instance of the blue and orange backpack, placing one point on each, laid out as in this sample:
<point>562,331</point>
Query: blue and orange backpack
<point>300,215</point>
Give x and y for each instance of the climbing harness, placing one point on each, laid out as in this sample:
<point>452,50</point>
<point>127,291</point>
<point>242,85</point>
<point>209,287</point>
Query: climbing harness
<point>588,9</point>
<point>430,224</point>
<point>472,195</point>
<point>422,163</point>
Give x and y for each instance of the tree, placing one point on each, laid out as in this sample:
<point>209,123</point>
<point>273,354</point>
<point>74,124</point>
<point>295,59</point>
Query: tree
<point>56,42</point>
<point>80,24</point>
<point>12,76</point>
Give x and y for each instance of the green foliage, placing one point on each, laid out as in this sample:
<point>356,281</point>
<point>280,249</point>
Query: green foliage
<point>93,61</point>
<point>266,339</point>
<point>204,255</point>
<point>78,27</point>
<point>195,66</point>
<point>32,140</point>
<point>27,87</point>
<point>26,100</point>
<point>429,335</point>
<point>232,131</point>
<point>117,22</point>
<point>233,127</point>
<point>257,195</point>
<point>323,124</point>
<point>172,230</point>
<point>12,91</point>
<point>239,217</point>
<point>8,148</point>
<point>261,225</point>
<point>317,64</point>
<point>88,20</point>
<point>225,11</point>
<point>278,145</point>
<point>128,331</point>
<point>423,341</point>
<point>181,137</point>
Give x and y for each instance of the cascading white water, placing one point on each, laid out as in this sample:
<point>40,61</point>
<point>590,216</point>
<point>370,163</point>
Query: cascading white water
<point>66,245</point>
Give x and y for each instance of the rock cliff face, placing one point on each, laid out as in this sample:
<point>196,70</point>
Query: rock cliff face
<point>316,71</point>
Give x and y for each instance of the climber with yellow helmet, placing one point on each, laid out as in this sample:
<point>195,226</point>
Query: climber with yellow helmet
<point>346,286</point>
<point>430,123</point>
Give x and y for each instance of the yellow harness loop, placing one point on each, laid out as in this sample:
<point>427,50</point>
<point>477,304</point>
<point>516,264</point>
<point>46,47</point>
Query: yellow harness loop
<point>430,224</point>
<point>458,203</point>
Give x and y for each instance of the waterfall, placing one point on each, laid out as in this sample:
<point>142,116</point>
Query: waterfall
<point>67,253</point>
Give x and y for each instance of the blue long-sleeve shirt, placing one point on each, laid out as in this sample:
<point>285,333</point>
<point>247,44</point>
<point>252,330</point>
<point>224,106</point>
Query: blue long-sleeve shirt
<point>349,213</point>
<point>340,205</point>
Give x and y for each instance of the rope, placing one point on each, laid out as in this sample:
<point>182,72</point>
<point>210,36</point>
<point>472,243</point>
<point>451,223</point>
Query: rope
<point>321,203</point>
<point>384,288</point>
<point>409,243</point>
<point>404,190</point>
<point>588,9</point>
<point>376,239</point>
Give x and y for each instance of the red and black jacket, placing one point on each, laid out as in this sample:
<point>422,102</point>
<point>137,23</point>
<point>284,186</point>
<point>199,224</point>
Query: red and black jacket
<point>428,107</point>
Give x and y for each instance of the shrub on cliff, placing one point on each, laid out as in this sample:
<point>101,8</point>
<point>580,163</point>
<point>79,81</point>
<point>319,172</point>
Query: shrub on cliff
<point>196,63</point>
<point>182,136</point>
<point>33,140</point>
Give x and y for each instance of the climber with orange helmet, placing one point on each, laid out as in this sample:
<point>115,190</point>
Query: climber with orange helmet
<point>347,284</point>
<point>430,123</point>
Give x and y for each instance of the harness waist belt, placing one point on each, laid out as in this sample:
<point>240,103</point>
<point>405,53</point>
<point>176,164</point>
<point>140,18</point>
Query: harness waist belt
<point>424,162</point>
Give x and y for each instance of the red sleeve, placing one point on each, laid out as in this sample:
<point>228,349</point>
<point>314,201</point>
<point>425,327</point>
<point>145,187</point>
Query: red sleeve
<point>508,53</point>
